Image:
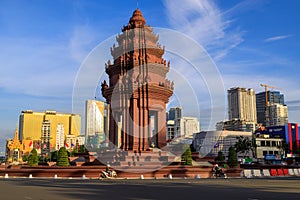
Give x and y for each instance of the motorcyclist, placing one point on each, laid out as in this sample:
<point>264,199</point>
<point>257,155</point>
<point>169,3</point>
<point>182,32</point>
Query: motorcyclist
<point>108,170</point>
<point>217,170</point>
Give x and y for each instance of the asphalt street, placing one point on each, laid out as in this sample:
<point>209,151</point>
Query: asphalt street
<point>75,189</point>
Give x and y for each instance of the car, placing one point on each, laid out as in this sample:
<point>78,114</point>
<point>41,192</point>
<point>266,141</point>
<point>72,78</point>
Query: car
<point>248,163</point>
<point>283,163</point>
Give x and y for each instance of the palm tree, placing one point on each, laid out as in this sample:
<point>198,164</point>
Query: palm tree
<point>244,145</point>
<point>284,148</point>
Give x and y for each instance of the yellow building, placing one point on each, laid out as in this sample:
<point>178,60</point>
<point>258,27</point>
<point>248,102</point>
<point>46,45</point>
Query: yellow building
<point>31,126</point>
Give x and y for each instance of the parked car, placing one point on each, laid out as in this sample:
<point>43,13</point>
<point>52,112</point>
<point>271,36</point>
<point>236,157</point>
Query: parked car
<point>283,163</point>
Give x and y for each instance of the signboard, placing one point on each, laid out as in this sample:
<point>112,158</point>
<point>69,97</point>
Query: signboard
<point>272,157</point>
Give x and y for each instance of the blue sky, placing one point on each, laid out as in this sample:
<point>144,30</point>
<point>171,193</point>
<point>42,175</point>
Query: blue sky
<point>43,44</point>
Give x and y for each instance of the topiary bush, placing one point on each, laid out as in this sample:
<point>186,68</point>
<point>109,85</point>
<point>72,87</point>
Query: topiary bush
<point>232,157</point>
<point>187,156</point>
<point>33,159</point>
<point>62,157</point>
<point>220,157</point>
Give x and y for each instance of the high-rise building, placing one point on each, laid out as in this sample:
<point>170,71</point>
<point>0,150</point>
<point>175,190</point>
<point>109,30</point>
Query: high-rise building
<point>242,104</point>
<point>46,136</point>
<point>276,115</point>
<point>174,113</point>
<point>36,127</point>
<point>96,122</point>
<point>273,97</point>
<point>60,136</point>
<point>241,111</point>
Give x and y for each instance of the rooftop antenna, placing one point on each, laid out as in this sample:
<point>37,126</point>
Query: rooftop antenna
<point>137,3</point>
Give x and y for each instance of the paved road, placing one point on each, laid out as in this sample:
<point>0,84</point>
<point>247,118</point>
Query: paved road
<point>186,189</point>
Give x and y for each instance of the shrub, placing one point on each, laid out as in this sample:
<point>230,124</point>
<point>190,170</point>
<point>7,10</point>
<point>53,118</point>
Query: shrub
<point>232,157</point>
<point>220,157</point>
<point>33,159</point>
<point>62,158</point>
<point>187,156</point>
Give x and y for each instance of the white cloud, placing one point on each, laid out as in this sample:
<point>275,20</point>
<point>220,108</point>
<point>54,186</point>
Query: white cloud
<point>275,38</point>
<point>244,6</point>
<point>204,21</point>
<point>81,41</point>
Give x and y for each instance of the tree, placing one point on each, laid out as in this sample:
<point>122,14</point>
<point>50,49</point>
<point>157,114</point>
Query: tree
<point>187,156</point>
<point>232,157</point>
<point>243,145</point>
<point>33,159</point>
<point>220,157</point>
<point>284,148</point>
<point>62,158</point>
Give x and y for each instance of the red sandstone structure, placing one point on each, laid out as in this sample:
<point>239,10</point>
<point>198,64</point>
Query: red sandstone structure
<point>138,89</point>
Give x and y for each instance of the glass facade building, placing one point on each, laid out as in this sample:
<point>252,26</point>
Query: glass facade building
<point>274,97</point>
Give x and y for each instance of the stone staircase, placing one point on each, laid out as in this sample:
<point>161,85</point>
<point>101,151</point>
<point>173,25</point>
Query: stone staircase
<point>136,162</point>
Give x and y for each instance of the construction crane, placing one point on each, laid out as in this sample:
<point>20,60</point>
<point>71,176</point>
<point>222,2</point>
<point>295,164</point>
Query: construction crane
<point>266,90</point>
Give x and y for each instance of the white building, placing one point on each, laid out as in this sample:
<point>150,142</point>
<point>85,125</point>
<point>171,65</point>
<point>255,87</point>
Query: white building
<point>209,143</point>
<point>276,115</point>
<point>60,136</point>
<point>94,117</point>
<point>236,125</point>
<point>80,140</point>
<point>70,142</point>
<point>242,104</point>
<point>268,146</point>
<point>96,121</point>
<point>180,127</point>
<point>187,126</point>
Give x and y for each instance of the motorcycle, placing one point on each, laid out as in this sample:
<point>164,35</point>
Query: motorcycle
<point>110,174</point>
<point>219,174</point>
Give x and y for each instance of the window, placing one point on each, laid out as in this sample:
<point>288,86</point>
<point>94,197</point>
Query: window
<point>273,144</point>
<point>271,152</point>
<point>263,143</point>
<point>276,152</point>
<point>265,153</point>
<point>258,143</point>
<point>268,143</point>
